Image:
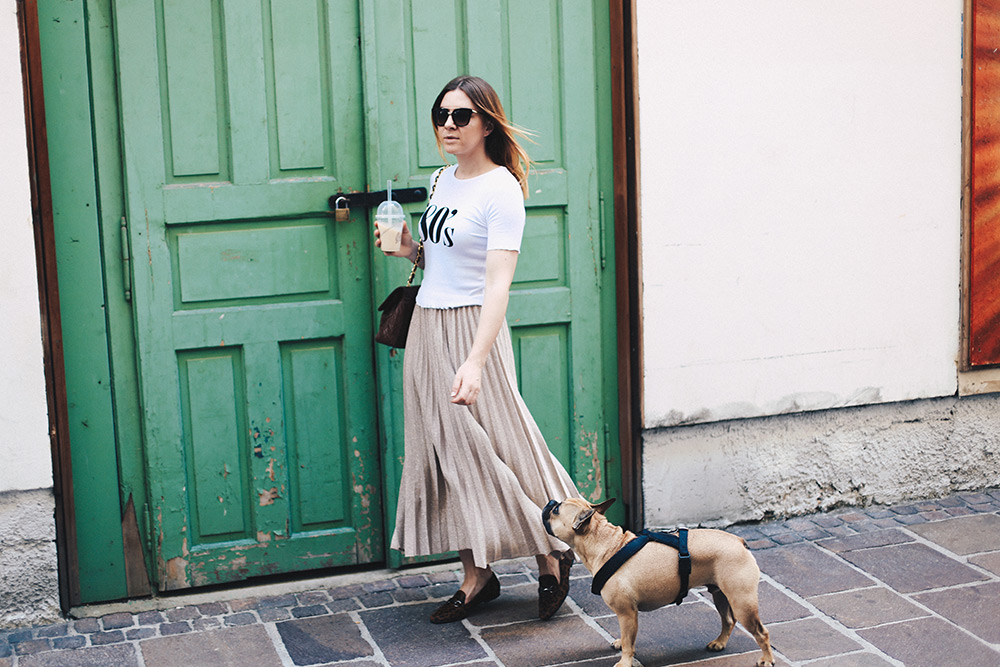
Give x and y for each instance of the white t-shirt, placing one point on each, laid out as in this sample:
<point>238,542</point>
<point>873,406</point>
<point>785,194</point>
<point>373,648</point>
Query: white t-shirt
<point>464,219</point>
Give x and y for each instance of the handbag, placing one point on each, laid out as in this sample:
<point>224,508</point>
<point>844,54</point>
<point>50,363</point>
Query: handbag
<point>397,309</point>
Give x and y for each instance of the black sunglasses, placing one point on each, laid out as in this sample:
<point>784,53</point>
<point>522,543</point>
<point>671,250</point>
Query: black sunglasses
<point>460,116</point>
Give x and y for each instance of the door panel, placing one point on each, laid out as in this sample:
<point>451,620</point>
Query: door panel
<point>540,57</point>
<point>254,261</point>
<point>541,354</point>
<point>320,498</point>
<point>212,400</point>
<point>252,305</point>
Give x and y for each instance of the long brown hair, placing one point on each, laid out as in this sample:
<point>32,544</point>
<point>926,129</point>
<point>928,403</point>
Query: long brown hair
<point>501,143</point>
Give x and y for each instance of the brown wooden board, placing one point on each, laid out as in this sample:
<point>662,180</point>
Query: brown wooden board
<point>984,236</point>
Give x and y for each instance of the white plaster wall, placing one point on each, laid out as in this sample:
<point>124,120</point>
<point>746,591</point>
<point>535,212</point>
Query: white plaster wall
<point>800,204</point>
<point>24,444</point>
<point>749,469</point>
<point>29,586</point>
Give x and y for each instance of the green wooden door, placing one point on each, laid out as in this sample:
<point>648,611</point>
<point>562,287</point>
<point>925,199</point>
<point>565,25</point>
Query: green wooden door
<point>272,430</point>
<point>544,59</point>
<point>252,306</point>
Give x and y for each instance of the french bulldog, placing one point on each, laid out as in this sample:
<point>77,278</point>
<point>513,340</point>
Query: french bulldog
<point>649,579</point>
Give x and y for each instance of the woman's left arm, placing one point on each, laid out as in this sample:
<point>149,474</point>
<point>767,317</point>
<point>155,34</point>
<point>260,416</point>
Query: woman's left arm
<point>500,265</point>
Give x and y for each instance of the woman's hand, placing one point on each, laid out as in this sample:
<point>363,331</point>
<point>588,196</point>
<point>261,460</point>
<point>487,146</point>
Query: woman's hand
<point>468,380</point>
<point>407,248</point>
<point>500,266</point>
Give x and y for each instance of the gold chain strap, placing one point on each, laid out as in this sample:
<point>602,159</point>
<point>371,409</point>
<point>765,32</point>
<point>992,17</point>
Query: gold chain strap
<point>416,262</point>
<point>420,246</point>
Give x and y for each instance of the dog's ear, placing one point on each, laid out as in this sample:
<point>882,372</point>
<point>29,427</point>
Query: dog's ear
<point>603,507</point>
<point>582,521</point>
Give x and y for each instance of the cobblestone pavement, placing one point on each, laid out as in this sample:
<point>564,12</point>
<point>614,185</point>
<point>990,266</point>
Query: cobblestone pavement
<point>912,584</point>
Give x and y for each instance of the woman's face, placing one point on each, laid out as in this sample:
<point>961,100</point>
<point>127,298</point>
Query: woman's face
<point>462,141</point>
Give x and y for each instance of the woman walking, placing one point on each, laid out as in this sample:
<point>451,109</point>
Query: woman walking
<point>476,471</point>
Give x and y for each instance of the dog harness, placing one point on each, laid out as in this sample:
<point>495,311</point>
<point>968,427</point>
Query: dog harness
<point>678,541</point>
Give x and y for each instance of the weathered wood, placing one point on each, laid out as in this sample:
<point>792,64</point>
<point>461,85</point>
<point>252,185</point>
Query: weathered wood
<point>136,575</point>
<point>48,291</point>
<point>627,282</point>
<point>82,300</point>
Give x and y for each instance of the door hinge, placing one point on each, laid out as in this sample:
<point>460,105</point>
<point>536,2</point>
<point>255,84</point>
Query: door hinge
<point>126,261</point>
<point>604,259</point>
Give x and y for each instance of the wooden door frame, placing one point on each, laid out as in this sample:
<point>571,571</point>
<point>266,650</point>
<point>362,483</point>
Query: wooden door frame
<point>628,283</point>
<point>48,296</point>
<point>627,278</point>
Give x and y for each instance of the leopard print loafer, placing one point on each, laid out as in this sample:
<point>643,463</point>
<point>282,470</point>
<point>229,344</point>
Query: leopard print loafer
<point>552,592</point>
<point>457,607</point>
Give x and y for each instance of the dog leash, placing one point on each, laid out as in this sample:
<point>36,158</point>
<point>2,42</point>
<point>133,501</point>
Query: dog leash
<point>678,541</point>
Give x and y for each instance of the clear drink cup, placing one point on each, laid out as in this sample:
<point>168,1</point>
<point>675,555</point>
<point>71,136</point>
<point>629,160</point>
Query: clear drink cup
<point>390,218</point>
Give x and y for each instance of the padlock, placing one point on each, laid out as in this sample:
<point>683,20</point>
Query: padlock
<point>341,211</point>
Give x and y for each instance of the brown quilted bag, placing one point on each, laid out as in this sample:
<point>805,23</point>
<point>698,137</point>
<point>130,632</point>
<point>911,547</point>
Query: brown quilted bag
<point>397,309</point>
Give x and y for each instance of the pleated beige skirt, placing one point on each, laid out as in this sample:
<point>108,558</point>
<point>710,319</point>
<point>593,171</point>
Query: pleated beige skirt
<point>474,477</point>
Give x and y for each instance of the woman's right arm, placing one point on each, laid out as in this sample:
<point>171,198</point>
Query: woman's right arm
<point>407,245</point>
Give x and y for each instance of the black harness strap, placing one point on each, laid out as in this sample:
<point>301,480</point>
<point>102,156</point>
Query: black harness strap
<point>678,541</point>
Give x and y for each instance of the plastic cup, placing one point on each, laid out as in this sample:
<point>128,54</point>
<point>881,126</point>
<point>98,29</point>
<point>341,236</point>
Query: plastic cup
<point>390,218</point>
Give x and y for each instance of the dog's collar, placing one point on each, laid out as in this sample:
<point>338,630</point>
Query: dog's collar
<point>677,541</point>
<point>546,513</point>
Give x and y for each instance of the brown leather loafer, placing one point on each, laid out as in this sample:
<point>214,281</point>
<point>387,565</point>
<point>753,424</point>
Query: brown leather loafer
<point>552,593</point>
<point>457,608</point>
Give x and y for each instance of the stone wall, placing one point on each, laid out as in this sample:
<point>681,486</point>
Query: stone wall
<point>726,472</point>
<point>29,580</point>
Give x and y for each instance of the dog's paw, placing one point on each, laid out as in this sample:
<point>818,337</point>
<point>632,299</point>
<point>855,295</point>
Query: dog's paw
<point>627,663</point>
<point>617,644</point>
<point>764,663</point>
<point>716,645</point>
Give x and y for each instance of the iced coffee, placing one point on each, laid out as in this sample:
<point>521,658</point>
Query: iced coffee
<point>390,219</point>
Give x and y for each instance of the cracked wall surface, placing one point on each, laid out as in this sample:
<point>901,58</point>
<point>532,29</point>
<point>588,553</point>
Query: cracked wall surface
<point>727,472</point>
<point>29,583</point>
